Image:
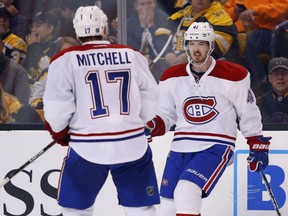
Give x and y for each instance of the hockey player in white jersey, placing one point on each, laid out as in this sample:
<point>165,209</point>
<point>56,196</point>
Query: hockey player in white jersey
<point>98,97</point>
<point>204,98</point>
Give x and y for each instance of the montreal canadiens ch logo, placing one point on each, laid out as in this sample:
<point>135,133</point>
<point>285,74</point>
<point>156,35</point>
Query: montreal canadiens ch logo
<point>198,110</point>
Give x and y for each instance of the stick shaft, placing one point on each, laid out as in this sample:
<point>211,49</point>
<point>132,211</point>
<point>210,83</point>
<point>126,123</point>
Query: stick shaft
<point>11,175</point>
<point>162,51</point>
<point>270,191</point>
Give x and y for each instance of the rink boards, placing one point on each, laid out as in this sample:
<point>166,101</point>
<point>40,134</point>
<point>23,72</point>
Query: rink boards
<point>239,192</point>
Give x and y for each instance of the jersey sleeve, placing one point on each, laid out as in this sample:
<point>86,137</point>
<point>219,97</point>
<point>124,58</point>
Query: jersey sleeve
<point>58,99</point>
<point>248,112</point>
<point>166,103</point>
<point>148,88</point>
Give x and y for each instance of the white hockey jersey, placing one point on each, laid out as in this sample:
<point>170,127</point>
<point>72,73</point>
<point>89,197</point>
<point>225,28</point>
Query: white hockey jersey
<point>205,112</point>
<point>105,93</point>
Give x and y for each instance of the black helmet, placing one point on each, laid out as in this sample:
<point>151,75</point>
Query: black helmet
<point>46,17</point>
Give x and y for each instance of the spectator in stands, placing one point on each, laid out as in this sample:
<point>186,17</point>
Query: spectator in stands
<point>68,9</point>
<point>5,113</point>
<point>274,103</point>
<point>222,2</point>
<point>14,47</point>
<point>233,10</point>
<point>44,30</point>
<point>113,31</point>
<point>43,43</point>
<point>259,18</point>
<point>14,78</point>
<point>172,6</point>
<point>110,8</point>
<point>18,23</point>
<point>12,111</point>
<point>202,11</point>
<point>141,28</point>
<point>279,40</point>
<point>179,4</point>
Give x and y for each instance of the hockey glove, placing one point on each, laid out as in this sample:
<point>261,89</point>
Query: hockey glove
<point>156,126</point>
<point>62,137</point>
<point>259,148</point>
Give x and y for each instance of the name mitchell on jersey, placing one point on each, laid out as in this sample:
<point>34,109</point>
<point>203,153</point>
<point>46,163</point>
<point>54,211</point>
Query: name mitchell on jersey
<point>99,58</point>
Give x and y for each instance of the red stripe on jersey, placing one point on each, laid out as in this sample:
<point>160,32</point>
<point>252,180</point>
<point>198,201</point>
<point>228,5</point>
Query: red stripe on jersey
<point>205,134</point>
<point>109,133</point>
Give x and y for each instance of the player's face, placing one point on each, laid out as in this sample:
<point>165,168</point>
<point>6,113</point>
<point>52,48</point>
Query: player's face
<point>279,80</point>
<point>198,51</point>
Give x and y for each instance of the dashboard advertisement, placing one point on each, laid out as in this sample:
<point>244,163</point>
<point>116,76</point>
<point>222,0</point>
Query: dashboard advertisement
<point>239,192</point>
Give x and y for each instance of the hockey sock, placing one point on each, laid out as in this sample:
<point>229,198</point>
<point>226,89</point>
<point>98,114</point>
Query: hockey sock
<point>77,212</point>
<point>187,198</point>
<point>140,211</point>
<point>167,207</point>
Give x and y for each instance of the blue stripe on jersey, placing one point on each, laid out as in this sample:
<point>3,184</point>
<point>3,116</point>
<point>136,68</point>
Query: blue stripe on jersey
<point>108,140</point>
<point>206,140</point>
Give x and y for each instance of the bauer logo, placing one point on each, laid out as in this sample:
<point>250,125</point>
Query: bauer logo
<point>250,193</point>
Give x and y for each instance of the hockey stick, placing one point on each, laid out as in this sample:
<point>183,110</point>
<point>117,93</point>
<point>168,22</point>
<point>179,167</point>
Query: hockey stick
<point>8,178</point>
<point>269,191</point>
<point>162,51</point>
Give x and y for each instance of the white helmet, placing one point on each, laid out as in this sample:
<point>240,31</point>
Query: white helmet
<point>200,31</point>
<point>90,21</point>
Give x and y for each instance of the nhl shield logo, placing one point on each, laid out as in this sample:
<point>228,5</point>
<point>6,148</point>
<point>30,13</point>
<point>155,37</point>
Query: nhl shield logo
<point>150,190</point>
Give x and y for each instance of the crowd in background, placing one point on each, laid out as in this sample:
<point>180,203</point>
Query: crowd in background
<point>33,31</point>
